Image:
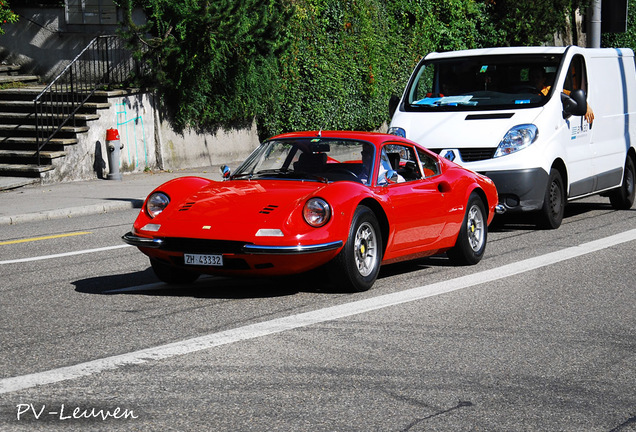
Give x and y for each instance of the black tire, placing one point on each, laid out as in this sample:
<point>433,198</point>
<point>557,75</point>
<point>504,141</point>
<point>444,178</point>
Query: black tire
<point>551,214</point>
<point>623,197</point>
<point>172,275</point>
<point>473,234</point>
<point>357,265</point>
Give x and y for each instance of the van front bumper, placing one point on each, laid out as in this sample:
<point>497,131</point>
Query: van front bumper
<point>520,190</point>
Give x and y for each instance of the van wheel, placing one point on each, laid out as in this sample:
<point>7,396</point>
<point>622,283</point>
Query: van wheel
<point>623,197</point>
<point>551,214</point>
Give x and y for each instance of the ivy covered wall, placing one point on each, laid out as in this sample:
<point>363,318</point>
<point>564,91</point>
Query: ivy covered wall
<point>311,64</point>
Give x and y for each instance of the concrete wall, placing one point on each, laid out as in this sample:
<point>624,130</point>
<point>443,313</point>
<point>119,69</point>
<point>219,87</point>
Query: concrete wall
<point>149,143</point>
<point>43,43</point>
<point>190,148</point>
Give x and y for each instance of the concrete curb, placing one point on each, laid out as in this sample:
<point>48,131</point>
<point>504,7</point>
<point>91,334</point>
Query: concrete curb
<point>69,212</point>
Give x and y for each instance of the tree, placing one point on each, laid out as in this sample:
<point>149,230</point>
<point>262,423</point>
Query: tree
<point>533,23</point>
<point>6,15</point>
<point>213,60</point>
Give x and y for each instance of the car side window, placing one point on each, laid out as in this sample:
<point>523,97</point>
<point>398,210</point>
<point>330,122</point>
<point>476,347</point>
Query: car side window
<point>430,166</point>
<point>401,159</point>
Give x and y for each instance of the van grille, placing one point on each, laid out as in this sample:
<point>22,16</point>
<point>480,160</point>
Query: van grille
<point>473,154</point>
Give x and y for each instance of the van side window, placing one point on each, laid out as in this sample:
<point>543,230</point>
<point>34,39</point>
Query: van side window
<point>430,167</point>
<point>576,77</point>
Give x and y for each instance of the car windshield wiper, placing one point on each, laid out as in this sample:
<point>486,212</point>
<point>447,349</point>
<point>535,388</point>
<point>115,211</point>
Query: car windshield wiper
<point>241,175</point>
<point>313,176</point>
<point>280,172</point>
<point>291,173</point>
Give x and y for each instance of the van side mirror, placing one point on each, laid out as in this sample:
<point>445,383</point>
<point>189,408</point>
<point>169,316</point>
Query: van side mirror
<point>394,101</point>
<point>574,104</point>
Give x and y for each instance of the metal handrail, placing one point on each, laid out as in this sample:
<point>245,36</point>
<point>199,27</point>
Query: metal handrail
<point>104,61</point>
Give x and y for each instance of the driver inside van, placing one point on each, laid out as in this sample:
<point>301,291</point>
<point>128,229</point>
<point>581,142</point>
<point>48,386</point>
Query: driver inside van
<point>573,82</point>
<point>537,77</point>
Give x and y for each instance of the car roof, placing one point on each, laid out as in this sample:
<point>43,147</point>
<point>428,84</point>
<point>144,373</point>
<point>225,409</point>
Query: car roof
<point>376,138</point>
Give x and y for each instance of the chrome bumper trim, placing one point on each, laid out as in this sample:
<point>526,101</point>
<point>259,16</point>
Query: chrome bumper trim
<point>134,240</point>
<point>291,250</point>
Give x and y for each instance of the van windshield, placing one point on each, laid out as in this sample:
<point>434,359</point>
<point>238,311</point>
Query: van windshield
<point>482,82</point>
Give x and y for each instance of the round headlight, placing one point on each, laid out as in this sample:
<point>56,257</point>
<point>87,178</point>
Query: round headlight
<point>156,203</point>
<point>317,212</point>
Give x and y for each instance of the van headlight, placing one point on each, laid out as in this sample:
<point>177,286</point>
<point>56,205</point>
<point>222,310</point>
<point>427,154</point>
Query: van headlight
<point>397,131</point>
<point>517,138</point>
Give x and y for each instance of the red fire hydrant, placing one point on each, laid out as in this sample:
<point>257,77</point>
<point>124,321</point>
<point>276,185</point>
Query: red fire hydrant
<point>113,145</point>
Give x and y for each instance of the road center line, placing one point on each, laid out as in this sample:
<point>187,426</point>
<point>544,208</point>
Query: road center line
<point>12,384</point>
<point>65,254</point>
<point>49,237</point>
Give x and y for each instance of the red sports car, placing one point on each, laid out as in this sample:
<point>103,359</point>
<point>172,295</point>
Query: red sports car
<point>348,201</point>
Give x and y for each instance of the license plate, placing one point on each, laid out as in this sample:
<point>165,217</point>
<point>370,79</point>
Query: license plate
<point>203,260</point>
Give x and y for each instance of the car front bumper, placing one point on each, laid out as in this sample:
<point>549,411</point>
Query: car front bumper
<point>239,258</point>
<point>247,248</point>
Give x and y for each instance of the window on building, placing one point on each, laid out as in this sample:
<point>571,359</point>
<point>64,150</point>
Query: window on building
<point>90,12</point>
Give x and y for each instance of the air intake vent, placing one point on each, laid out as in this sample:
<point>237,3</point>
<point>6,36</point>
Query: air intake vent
<point>473,154</point>
<point>268,209</point>
<point>476,154</point>
<point>187,206</point>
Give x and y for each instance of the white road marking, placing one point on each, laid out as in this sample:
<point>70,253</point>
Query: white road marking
<point>61,255</point>
<point>8,385</point>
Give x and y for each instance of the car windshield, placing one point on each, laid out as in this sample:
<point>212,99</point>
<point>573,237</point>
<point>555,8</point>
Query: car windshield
<point>316,159</point>
<point>482,82</point>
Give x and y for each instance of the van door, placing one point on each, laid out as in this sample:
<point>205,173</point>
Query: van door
<point>609,90</point>
<point>578,149</point>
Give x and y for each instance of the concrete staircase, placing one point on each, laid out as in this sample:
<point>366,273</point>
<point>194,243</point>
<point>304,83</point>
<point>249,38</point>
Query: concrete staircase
<point>18,143</point>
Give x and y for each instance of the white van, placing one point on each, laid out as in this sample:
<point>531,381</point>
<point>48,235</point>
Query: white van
<point>518,115</point>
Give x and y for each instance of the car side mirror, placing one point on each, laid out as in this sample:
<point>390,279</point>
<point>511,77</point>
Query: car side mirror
<point>225,172</point>
<point>574,104</point>
<point>394,101</point>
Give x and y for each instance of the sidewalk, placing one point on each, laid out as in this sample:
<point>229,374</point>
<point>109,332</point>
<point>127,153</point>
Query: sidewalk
<point>39,203</point>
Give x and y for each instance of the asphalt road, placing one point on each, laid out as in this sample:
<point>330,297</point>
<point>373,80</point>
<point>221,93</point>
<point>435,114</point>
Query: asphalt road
<point>540,336</point>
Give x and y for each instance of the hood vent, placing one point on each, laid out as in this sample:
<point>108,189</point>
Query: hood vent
<point>268,209</point>
<point>186,206</point>
<point>494,116</point>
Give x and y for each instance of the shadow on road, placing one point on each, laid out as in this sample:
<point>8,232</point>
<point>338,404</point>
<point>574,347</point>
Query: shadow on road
<point>528,221</point>
<point>216,287</point>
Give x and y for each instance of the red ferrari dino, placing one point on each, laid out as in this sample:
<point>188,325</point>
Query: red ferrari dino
<point>348,201</point>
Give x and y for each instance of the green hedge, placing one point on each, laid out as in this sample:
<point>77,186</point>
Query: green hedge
<point>309,64</point>
<point>348,57</point>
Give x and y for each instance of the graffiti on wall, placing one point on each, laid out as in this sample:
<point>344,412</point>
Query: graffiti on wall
<point>132,134</point>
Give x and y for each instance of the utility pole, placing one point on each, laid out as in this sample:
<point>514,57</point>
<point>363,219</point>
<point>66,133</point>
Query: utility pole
<point>594,25</point>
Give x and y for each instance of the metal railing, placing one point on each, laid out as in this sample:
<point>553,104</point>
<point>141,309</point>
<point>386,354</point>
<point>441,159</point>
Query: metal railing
<point>104,61</point>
